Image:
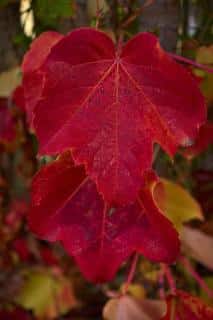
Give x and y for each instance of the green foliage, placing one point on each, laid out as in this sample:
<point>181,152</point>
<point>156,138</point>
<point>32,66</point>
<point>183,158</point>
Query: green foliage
<point>49,11</point>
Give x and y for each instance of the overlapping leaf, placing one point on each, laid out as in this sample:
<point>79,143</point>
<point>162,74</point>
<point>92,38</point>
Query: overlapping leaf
<point>110,105</point>
<point>184,306</point>
<point>128,308</point>
<point>203,141</point>
<point>67,207</point>
<point>33,79</point>
<point>176,203</point>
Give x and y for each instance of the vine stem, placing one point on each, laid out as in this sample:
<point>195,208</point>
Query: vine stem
<point>130,273</point>
<point>137,12</point>
<point>97,14</point>
<point>196,276</point>
<point>168,274</point>
<point>161,284</point>
<point>191,62</point>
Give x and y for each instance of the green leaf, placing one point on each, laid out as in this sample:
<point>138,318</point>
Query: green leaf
<point>51,10</point>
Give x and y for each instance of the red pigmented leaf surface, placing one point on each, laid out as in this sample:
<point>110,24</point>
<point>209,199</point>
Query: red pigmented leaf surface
<point>184,306</point>
<point>204,139</point>
<point>33,80</point>
<point>7,123</point>
<point>15,314</point>
<point>110,105</point>
<point>67,207</point>
<point>21,248</point>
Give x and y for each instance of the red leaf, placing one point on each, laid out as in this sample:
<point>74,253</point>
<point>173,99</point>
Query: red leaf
<point>184,306</point>
<point>203,141</point>
<point>33,79</point>
<point>110,105</point>
<point>48,257</point>
<point>7,123</point>
<point>21,247</point>
<point>15,314</point>
<point>67,207</point>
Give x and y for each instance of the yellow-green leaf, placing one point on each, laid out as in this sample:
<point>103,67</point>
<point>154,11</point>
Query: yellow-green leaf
<point>46,295</point>
<point>176,203</point>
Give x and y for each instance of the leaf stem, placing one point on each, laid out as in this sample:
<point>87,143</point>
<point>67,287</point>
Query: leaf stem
<point>161,284</point>
<point>191,62</point>
<point>168,274</point>
<point>196,276</point>
<point>130,273</point>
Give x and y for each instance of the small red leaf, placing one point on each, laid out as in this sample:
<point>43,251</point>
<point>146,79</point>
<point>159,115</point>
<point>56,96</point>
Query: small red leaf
<point>21,247</point>
<point>67,207</point>
<point>184,306</point>
<point>110,105</point>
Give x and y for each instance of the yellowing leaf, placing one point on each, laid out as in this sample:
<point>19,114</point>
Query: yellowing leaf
<point>127,308</point>
<point>136,290</point>
<point>207,85</point>
<point>9,80</point>
<point>176,202</point>
<point>198,245</point>
<point>46,295</point>
<point>205,55</point>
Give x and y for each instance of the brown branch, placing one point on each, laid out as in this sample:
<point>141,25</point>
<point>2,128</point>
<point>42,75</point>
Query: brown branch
<point>137,12</point>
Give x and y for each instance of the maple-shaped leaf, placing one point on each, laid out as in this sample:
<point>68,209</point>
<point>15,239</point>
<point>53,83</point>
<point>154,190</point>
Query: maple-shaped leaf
<point>33,79</point>
<point>67,207</point>
<point>110,105</point>
<point>184,306</point>
<point>7,122</point>
<point>202,142</point>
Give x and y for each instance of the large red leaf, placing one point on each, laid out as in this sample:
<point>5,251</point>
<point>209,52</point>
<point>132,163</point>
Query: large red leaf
<point>184,306</point>
<point>33,79</point>
<point>67,207</point>
<point>110,105</point>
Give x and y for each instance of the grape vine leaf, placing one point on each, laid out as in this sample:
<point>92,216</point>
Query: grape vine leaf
<point>184,306</point>
<point>67,207</point>
<point>109,105</point>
